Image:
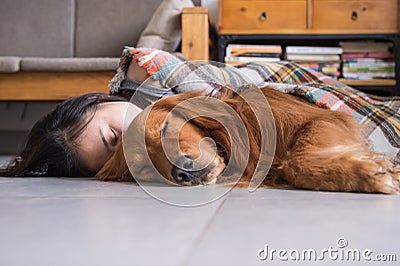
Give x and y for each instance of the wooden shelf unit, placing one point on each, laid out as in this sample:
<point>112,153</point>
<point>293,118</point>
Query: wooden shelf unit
<point>388,87</point>
<point>262,22</point>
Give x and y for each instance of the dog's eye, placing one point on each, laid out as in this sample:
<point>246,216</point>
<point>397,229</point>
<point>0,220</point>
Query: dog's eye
<point>163,130</point>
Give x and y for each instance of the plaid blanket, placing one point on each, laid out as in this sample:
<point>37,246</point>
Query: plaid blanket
<point>379,116</point>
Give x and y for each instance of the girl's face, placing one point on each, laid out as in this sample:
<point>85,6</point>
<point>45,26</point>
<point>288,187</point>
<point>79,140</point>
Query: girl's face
<point>98,140</point>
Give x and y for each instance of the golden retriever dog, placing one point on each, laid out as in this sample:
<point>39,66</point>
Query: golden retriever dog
<point>313,148</point>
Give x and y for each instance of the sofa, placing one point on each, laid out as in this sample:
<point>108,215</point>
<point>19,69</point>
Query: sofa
<point>54,49</point>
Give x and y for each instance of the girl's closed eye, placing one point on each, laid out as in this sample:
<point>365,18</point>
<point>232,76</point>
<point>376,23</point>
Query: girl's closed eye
<point>115,136</point>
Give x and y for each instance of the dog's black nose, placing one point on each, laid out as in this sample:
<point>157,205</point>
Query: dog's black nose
<point>183,170</point>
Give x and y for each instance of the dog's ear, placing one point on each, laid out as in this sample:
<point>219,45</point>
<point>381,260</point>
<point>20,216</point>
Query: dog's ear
<point>215,116</point>
<point>115,169</point>
<point>233,125</point>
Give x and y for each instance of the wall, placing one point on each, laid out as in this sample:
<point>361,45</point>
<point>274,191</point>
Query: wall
<point>212,6</point>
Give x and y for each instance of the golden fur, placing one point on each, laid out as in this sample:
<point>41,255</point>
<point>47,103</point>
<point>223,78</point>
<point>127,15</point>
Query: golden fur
<point>315,149</point>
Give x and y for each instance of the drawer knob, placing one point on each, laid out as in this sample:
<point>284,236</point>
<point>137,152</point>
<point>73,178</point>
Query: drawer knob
<point>354,16</point>
<point>263,16</point>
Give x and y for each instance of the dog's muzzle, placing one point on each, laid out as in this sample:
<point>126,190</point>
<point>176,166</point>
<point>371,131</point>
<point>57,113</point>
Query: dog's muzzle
<point>185,171</point>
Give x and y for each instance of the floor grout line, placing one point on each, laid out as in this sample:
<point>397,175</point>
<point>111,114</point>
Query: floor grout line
<point>202,234</point>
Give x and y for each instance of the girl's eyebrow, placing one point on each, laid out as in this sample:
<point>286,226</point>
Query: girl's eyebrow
<point>105,141</point>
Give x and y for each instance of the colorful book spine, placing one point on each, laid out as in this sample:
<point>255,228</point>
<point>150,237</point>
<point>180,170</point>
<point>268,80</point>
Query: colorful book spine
<point>367,60</point>
<point>244,59</point>
<point>313,50</point>
<point>237,49</point>
<point>368,69</point>
<point>313,57</point>
<point>260,55</point>
<point>367,55</point>
<point>369,64</point>
<point>366,76</point>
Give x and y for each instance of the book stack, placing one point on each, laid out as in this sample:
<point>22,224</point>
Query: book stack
<point>367,60</point>
<point>243,53</point>
<point>321,59</point>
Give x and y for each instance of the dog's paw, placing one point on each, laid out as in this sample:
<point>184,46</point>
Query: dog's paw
<point>385,179</point>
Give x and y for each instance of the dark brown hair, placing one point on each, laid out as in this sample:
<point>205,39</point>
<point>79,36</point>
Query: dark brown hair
<point>50,149</point>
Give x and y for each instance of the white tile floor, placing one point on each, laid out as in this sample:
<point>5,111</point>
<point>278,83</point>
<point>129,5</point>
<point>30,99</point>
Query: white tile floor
<point>61,221</point>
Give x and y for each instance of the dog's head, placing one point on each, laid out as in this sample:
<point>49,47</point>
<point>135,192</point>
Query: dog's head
<point>187,139</point>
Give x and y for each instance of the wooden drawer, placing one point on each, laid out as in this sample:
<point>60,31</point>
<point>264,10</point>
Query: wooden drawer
<point>261,16</point>
<point>355,14</point>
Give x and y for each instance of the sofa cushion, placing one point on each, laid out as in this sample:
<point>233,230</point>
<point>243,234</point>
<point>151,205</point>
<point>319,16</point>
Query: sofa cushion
<point>104,27</point>
<point>164,29</point>
<point>69,64</point>
<point>36,28</point>
<point>9,64</point>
